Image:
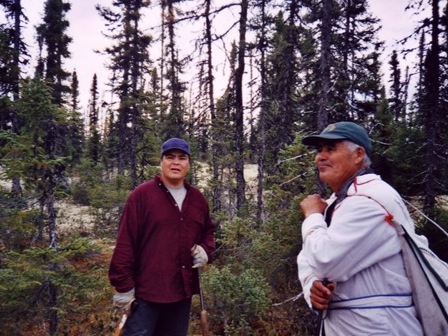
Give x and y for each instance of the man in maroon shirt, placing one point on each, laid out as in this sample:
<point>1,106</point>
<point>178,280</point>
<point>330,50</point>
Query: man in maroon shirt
<point>165,233</point>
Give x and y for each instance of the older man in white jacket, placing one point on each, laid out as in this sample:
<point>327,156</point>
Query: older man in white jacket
<point>348,240</point>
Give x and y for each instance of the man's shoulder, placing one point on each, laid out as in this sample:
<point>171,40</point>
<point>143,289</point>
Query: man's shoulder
<point>146,186</point>
<point>369,181</point>
<point>372,186</point>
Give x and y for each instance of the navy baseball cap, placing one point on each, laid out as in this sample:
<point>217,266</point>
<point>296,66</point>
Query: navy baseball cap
<point>343,130</point>
<point>175,143</point>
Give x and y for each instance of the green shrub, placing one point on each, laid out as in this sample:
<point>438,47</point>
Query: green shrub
<point>70,281</point>
<point>237,300</point>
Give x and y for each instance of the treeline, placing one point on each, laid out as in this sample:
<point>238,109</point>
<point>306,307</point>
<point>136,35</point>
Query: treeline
<point>295,66</point>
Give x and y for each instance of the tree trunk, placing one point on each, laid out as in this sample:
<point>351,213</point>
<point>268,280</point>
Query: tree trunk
<point>324,67</point>
<point>53,313</point>
<point>239,111</point>
<point>215,134</point>
<point>16,187</point>
<point>432,107</point>
<point>324,77</point>
<point>51,217</point>
<point>261,118</point>
<point>175,127</point>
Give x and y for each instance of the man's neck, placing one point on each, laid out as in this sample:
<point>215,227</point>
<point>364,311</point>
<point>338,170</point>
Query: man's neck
<point>342,192</point>
<point>172,183</point>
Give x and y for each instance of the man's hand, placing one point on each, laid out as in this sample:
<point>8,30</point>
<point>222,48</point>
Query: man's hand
<point>313,204</point>
<point>199,256</point>
<point>122,300</point>
<point>321,295</point>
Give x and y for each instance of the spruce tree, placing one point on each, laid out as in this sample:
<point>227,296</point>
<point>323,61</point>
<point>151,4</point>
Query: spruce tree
<point>173,122</point>
<point>239,108</point>
<point>53,42</point>
<point>13,56</point>
<point>282,85</point>
<point>397,103</point>
<point>262,25</point>
<point>129,60</point>
<point>76,124</point>
<point>353,86</point>
<point>39,143</point>
<point>430,112</point>
<point>207,83</point>
<point>93,142</point>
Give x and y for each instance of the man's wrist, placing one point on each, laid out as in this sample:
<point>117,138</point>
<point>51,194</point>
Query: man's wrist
<point>309,213</point>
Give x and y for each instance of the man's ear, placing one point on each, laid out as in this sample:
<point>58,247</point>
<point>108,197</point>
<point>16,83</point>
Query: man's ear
<point>360,154</point>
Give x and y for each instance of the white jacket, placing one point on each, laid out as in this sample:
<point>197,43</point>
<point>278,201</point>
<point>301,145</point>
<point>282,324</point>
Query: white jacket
<point>360,253</point>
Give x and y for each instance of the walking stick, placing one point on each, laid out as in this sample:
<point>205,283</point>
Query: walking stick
<point>204,317</point>
<point>127,312</point>
<point>320,320</point>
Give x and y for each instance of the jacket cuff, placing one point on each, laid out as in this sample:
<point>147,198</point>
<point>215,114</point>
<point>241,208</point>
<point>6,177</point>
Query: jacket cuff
<point>313,222</point>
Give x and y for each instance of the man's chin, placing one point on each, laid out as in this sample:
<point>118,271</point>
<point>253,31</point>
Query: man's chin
<point>323,176</point>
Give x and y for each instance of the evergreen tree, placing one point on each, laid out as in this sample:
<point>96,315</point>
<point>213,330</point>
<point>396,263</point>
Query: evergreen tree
<point>14,51</point>
<point>282,70</point>
<point>325,62</point>
<point>431,116</point>
<point>129,62</point>
<point>74,106</point>
<point>13,54</point>
<point>207,83</point>
<point>76,124</point>
<point>261,24</point>
<point>40,167</point>
<point>239,108</point>
<point>358,67</point>
<point>224,125</point>
<point>94,140</point>
<point>354,87</point>
<point>52,37</point>
<point>431,110</point>
<point>40,143</point>
<point>397,103</point>
<point>174,121</point>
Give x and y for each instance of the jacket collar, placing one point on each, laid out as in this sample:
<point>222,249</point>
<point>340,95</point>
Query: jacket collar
<point>160,182</point>
<point>360,181</point>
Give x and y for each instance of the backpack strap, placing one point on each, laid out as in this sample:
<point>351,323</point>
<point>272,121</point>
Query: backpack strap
<point>424,271</point>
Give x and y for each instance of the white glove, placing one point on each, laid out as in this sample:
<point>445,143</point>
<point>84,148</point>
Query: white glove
<point>199,256</point>
<point>122,300</point>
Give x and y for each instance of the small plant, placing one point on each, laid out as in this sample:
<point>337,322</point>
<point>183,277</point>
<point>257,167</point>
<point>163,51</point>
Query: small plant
<point>238,300</point>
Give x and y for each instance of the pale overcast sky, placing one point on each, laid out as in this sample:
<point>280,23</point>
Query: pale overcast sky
<point>86,30</point>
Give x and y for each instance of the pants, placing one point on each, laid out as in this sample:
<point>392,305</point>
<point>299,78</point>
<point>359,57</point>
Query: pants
<point>159,319</point>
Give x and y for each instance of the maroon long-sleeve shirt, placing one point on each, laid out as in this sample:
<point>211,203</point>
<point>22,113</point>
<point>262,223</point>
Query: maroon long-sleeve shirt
<point>153,248</point>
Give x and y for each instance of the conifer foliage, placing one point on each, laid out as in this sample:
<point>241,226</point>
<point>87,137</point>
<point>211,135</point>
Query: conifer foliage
<point>250,80</point>
<point>129,61</point>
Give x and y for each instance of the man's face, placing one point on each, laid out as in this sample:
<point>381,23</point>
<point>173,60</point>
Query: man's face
<point>174,166</point>
<point>337,163</point>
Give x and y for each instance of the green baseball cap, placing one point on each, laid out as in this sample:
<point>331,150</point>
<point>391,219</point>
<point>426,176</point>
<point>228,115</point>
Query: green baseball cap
<point>343,130</point>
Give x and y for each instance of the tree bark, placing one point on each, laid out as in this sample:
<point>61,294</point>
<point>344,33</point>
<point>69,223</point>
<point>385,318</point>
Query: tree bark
<point>239,111</point>
<point>215,133</point>
<point>432,107</point>
<point>261,118</point>
<point>16,187</point>
<point>324,66</point>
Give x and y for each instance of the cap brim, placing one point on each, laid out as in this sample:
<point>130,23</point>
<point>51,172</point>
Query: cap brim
<point>314,140</point>
<point>175,148</point>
